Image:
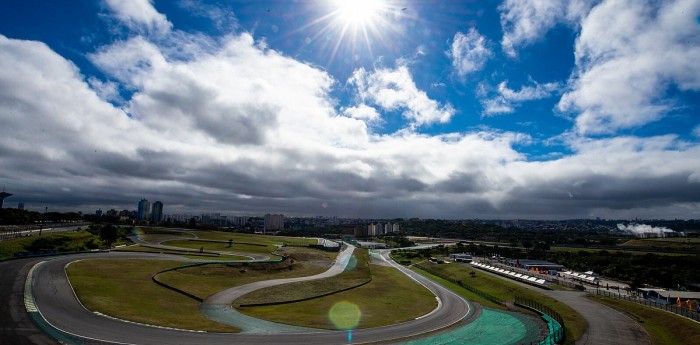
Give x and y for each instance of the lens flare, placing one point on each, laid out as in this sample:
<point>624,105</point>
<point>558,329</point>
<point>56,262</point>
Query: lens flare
<point>138,232</point>
<point>345,315</point>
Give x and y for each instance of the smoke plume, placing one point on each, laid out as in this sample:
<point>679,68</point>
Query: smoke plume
<point>644,230</point>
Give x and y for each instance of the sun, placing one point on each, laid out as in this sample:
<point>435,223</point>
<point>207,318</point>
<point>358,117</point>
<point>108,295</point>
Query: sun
<point>352,29</point>
<point>358,12</point>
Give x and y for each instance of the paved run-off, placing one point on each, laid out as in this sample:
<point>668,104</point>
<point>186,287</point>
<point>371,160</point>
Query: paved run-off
<point>492,327</point>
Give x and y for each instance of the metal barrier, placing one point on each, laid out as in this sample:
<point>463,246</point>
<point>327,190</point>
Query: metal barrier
<point>555,323</point>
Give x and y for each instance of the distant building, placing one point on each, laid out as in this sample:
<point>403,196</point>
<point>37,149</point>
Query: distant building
<point>274,222</point>
<point>20,205</point>
<point>4,195</point>
<point>98,213</point>
<point>535,265</point>
<point>157,212</point>
<point>143,210</point>
<point>360,232</point>
<point>239,221</point>
<point>461,257</point>
<point>387,228</point>
<point>395,228</point>
<point>375,229</point>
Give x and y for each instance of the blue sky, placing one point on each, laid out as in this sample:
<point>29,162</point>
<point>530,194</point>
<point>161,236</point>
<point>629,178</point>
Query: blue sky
<point>444,109</point>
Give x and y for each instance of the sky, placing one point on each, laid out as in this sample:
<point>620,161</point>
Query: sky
<point>550,109</point>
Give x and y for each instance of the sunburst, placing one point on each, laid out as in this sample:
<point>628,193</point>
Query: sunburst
<point>355,26</point>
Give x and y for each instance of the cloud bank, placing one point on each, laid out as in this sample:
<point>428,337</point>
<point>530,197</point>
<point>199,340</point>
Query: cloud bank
<point>227,124</point>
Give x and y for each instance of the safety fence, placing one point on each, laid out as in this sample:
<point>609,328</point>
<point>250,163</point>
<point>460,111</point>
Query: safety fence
<point>474,290</point>
<point>685,312</point>
<point>555,323</point>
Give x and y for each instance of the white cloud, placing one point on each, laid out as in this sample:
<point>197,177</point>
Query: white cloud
<point>241,128</point>
<point>130,62</point>
<point>363,112</point>
<point>139,15</point>
<point>498,105</point>
<point>629,53</point>
<point>223,18</point>
<point>506,99</point>
<point>469,52</point>
<point>107,90</point>
<point>526,22</point>
<point>394,89</point>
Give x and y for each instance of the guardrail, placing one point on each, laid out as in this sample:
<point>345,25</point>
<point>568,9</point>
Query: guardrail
<point>693,315</point>
<point>555,323</point>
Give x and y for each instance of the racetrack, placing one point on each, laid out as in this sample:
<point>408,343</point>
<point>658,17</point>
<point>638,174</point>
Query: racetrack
<point>55,299</point>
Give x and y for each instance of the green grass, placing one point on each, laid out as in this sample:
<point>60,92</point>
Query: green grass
<point>252,238</point>
<point>404,257</point>
<point>123,288</point>
<point>389,298</point>
<point>357,273</point>
<point>307,254</point>
<point>621,250</point>
<point>203,281</point>
<point>663,327</point>
<point>461,291</point>
<point>505,290</point>
<point>267,240</point>
<point>219,258</point>
<point>217,246</point>
<point>665,243</point>
<point>60,242</point>
<point>165,231</point>
<point>185,253</point>
<point>149,249</point>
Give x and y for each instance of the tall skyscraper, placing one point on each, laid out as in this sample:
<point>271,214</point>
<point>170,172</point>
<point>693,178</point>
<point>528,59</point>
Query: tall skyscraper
<point>144,210</point>
<point>157,212</point>
<point>274,222</point>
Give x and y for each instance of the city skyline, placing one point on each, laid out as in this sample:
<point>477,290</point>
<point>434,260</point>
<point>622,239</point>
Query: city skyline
<point>392,109</point>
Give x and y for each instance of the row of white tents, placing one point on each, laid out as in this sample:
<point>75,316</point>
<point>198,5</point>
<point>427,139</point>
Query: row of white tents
<point>579,276</point>
<point>513,275</point>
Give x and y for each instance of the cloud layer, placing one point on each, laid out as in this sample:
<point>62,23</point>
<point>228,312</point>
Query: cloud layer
<point>227,124</point>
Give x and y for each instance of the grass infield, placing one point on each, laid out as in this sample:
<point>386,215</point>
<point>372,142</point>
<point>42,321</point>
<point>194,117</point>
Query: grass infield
<point>219,246</point>
<point>389,298</point>
<point>122,288</point>
<point>203,281</point>
<point>357,273</point>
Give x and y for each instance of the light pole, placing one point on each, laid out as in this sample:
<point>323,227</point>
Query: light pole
<point>43,219</point>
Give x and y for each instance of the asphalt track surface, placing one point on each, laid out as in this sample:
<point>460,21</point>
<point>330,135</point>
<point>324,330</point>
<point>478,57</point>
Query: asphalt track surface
<point>16,327</point>
<point>59,306</point>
